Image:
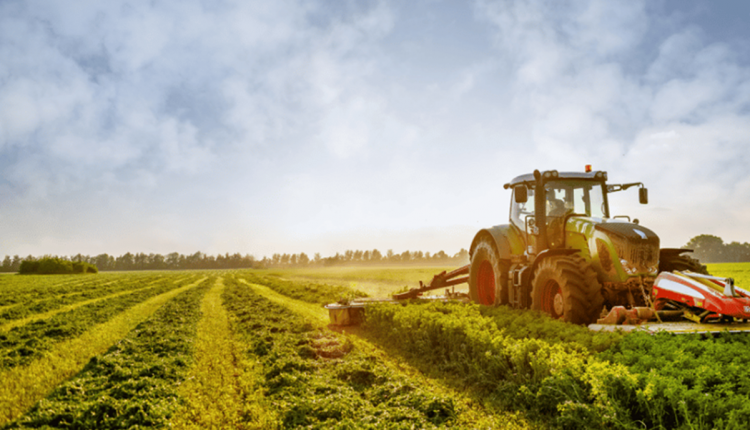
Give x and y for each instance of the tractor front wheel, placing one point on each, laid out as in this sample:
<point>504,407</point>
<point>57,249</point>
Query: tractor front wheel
<point>566,288</point>
<point>488,276</point>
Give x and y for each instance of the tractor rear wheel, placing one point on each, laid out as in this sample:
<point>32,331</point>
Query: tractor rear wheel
<point>669,262</point>
<point>566,288</point>
<point>488,275</point>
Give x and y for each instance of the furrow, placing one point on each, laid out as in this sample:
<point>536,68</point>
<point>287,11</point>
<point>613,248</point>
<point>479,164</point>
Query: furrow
<point>25,385</point>
<point>221,390</point>
<point>21,322</point>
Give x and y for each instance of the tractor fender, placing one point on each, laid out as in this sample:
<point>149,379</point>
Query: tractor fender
<point>551,253</point>
<point>499,237</point>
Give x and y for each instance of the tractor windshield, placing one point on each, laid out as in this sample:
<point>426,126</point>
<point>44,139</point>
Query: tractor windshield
<point>564,197</point>
<point>576,196</point>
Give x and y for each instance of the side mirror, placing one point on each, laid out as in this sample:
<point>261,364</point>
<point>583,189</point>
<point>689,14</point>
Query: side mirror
<point>521,193</point>
<point>643,195</point>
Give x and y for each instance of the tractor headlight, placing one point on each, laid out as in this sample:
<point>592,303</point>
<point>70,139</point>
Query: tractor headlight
<point>631,269</point>
<point>628,267</point>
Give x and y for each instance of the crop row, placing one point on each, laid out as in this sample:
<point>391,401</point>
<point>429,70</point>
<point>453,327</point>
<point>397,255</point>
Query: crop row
<point>26,343</point>
<point>221,389</point>
<point>133,385</point>
<point>636,381</point>
<point>311,292</point>
<point>28,288</point>
<point>79,295</point>
<point>318,378</point>
<point>18,289</point>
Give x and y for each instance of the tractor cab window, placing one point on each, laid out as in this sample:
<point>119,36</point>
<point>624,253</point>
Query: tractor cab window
<point>519,212</point>
<point>576,197</point>
<point>562,197</point>
<point>559,202</point>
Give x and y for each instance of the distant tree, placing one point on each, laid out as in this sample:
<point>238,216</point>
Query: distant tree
<point>104,262</point>
<point>462,256</point>
<point>440,256</point>
<point>55,265</point>
<point>707,248</point>
<point>125,262</point>
<point>376,256</point>
<point>303,260</point>
<point>16,263</point>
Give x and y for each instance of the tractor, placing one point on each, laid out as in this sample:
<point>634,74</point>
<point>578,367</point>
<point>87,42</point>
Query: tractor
<point>564,254</point>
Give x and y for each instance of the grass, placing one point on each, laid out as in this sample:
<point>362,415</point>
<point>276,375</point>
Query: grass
<point>375,281</point>
<point>23,386</point>
<point>259,355</point>
<point>317,314</point>
<point>26,343</point>
<point>222,390</point>
<point>45,315</point>
<point>134,384</point>
<point>469,411</point>
<point>739,271</point>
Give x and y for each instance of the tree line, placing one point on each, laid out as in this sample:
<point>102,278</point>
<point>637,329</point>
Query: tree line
<point>707,248</point>
<point>712,249</point>
<point>199,260</point>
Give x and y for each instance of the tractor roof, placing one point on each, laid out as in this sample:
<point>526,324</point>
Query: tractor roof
<point>529,177</point>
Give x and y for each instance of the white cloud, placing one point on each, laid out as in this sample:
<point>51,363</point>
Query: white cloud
<point>266,123</point>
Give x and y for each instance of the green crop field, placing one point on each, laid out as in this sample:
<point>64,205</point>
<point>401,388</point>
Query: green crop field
<point>251,349</point>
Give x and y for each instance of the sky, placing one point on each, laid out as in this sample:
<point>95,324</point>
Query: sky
<point>320,126</point>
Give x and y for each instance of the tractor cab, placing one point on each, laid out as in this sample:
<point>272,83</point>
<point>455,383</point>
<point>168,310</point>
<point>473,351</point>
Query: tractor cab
<point>565,195</point>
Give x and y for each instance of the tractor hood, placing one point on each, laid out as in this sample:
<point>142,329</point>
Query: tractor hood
<point>635,247</point>
<point>633,233</point>
<point>623,230</point>
<point>622,249</point>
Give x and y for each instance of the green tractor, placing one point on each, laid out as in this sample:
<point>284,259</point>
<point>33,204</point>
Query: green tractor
<point>563,253</point>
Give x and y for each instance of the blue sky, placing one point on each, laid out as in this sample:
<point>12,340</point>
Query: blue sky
<point>289,126</point>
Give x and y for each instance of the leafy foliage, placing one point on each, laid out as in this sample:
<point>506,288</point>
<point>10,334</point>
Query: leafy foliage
<point>55,266</point>
<point>528,324</point>
<point>575,379</point>
<point>133,385</point>
<point>76,293</point>
<point>28,342</point>
<point>316,378</point>
<point>310,292</point>
<point>685,381</point>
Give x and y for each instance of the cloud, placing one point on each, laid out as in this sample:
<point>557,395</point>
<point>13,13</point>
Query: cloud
<point>675,121</point>
<point>131,98</point>
<point>260,125</point>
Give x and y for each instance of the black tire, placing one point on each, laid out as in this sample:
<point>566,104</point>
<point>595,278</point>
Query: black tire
<point>488,275</point>
<point>669,262</point>
<point>566,288</point>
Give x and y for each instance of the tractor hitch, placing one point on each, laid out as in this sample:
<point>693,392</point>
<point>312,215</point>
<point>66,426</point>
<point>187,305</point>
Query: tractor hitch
<point>441,280</point>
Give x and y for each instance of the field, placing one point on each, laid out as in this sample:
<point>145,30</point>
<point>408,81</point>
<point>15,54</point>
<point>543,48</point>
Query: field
<point>252,350</point>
